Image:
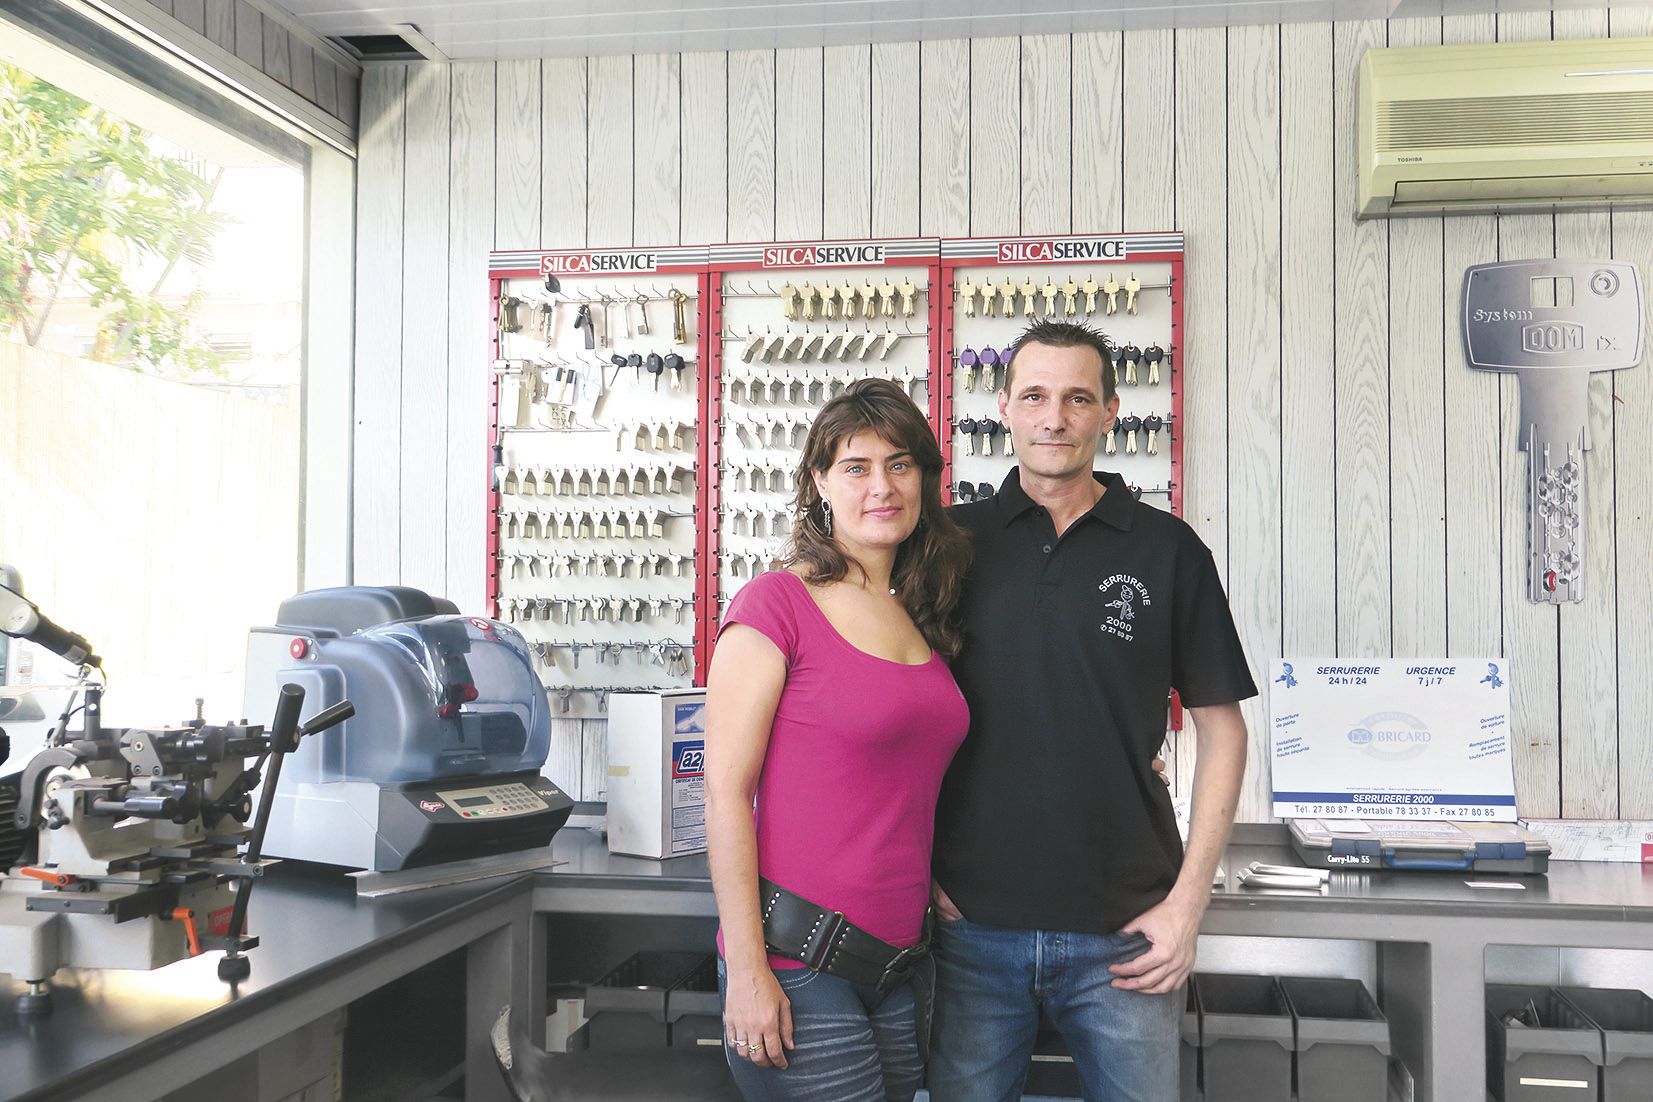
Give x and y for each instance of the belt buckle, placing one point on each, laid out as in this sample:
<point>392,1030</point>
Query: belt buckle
<point>897,969</point>
<point>818,948</point>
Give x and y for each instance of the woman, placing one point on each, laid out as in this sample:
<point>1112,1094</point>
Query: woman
<point>830,705</point>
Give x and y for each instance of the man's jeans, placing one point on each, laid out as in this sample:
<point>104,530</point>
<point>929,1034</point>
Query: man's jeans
<point>991,982</point>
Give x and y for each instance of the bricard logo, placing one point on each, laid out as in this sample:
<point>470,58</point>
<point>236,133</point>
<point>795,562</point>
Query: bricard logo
<point>1391,736</point>
<point>1123,599</point>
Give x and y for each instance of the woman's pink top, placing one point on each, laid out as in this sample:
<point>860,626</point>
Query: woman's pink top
<point>846,802</point>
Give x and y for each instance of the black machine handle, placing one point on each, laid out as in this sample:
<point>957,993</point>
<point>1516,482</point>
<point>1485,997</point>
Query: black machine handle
<point>21,618</point>
<point>285,732</point>
<point>141,807</point>
<point>329,717</point>
<point>283,729</point>
<point>63,642</point>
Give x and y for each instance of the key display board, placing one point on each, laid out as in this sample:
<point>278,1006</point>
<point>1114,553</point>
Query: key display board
<point>795,324</point>
<point>651,406</point>
<point>593,527</point>
<point>1127,286</point>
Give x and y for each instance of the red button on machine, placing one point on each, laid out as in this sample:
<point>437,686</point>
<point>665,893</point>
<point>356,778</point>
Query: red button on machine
<point>298,648</point>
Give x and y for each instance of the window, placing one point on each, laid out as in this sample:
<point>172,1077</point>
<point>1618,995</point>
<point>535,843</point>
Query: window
<point>152,370</point>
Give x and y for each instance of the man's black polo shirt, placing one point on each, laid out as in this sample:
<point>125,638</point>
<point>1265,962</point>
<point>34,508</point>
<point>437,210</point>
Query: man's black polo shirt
<point>1051,816</point>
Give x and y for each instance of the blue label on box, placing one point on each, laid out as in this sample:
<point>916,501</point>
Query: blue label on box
<point>689,758</point>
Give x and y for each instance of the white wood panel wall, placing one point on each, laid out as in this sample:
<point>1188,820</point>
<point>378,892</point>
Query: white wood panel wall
<point>1357,484</point>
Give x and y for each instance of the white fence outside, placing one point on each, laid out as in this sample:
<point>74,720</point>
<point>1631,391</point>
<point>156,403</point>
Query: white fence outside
<point>159,520</point>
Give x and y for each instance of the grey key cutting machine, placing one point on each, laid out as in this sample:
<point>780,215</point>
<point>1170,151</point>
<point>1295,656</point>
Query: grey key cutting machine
<point>443,761</point>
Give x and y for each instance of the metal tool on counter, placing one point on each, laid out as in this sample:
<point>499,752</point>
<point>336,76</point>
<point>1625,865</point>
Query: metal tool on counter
<point>1290,877</point>
<point>122,843</point>
<point>444,762</point>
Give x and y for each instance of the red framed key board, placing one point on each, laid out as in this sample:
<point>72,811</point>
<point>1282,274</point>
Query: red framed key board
<point>649,406</point>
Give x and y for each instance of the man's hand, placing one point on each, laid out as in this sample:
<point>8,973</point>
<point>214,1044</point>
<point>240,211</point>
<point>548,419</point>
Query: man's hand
<point>1159,771</point>
<point>1173,928</point>
<point>944,906</point>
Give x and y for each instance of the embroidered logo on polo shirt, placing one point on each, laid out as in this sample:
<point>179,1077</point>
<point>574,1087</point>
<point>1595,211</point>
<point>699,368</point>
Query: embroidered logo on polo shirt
<point>1122,596</point>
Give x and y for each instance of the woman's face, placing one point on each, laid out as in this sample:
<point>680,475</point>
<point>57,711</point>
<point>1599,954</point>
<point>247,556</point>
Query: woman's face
<point>875,488</point>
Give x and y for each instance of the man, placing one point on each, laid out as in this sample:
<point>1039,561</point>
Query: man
<point>1060,880</point>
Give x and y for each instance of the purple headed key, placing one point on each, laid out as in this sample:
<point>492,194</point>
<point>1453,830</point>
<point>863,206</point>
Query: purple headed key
<point>989,366</point>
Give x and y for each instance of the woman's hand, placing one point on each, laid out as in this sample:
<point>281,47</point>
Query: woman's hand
<point>757,1016</point>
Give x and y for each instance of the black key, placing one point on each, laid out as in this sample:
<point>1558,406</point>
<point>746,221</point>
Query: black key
<point>1153,356</point>
<point>1153,425</point>
<point>1131,425</point>
<point>1130,356</point>
<point>656,365</point>
<point>984,490</point>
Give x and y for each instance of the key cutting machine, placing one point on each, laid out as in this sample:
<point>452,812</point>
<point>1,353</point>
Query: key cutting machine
<point>443,762</point>
<point>125,845</point>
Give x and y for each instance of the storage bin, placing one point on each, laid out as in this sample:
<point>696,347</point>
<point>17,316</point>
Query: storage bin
<point>1556,1061</point>
<point>1625,1019</point>
<point>1341,1040</point>
<point>694,1017</point>
<point>627,1007</point>
<point>1245,1038</point>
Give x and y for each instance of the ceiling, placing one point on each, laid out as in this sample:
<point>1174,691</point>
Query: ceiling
<point>473,29</point>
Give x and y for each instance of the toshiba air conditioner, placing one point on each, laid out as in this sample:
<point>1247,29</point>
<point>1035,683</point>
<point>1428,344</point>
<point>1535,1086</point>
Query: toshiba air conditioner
<point>1517,126</point>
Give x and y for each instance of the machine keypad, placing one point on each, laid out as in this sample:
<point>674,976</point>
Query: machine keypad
<point>494,802</point>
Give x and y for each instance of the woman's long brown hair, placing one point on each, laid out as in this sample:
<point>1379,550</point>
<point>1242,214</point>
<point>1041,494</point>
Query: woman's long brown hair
<point>930,563</point>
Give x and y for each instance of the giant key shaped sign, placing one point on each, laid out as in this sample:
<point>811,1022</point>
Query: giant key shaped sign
<point>1551,323</point>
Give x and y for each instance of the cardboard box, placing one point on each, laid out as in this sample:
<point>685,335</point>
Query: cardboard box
<point>657,773</point>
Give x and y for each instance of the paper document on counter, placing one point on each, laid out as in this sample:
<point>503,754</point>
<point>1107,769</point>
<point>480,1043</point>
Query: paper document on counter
<point>1625,840</point>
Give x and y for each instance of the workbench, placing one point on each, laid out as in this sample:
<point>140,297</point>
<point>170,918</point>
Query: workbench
<point>1424,939</point>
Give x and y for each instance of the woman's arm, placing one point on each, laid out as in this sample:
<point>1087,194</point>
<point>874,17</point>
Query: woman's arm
<point>743,689</point>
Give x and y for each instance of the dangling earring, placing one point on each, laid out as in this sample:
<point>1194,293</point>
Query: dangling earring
<point>826,516</point>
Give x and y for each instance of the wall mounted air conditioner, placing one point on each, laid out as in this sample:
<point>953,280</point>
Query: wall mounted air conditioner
<point>1517,126</point>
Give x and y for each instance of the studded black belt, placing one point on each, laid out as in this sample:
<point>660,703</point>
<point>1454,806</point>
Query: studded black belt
<point>826,941</point>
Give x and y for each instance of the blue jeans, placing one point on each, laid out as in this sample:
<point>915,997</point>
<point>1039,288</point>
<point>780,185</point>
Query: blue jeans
<point>992,981</point>
<point>851,1043</point>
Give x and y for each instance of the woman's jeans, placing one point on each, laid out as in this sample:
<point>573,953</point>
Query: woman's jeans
<point>851,1043</point>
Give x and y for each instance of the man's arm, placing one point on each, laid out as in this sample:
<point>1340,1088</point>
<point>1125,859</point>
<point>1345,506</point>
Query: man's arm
<point>1173,926</point>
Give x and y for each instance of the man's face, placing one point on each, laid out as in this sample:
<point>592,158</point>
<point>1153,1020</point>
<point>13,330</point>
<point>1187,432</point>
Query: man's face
<point>1055,410</point>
